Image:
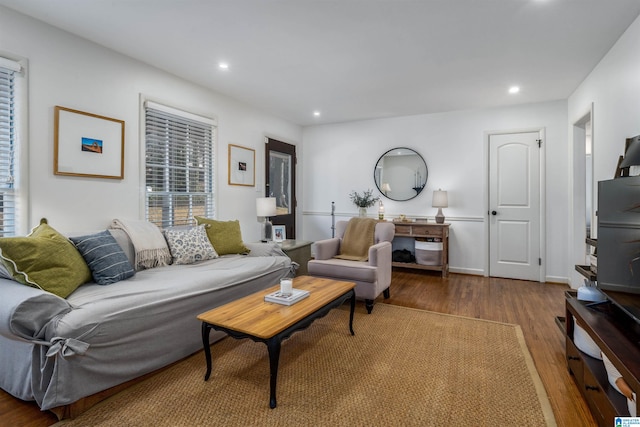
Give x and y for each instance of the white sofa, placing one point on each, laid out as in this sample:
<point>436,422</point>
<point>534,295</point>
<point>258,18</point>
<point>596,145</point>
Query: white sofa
<point>57,351</point>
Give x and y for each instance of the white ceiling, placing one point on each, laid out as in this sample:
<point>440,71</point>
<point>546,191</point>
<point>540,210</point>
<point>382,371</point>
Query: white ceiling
<point>357,59</point>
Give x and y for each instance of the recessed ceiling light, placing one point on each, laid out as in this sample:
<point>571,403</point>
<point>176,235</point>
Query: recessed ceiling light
<point>514,89</point>
<point>223,66</point>
<point>316,113</point>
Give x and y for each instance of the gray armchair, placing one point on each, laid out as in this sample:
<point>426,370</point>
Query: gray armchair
<point>372,277</point>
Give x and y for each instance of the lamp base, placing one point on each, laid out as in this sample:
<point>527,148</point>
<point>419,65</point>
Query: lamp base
<point>267,231</point>
<point>439,217</point>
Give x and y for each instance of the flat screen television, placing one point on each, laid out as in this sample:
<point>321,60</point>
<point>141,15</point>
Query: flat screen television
<point>618,244</point>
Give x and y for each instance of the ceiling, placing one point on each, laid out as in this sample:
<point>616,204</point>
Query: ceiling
<point>357,59</point>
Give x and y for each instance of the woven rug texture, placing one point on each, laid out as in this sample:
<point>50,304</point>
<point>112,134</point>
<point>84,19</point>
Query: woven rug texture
<point>403,367</point>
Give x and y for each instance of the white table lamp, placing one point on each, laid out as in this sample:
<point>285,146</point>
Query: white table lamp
<point>440,200</point>
<point>266,208</point>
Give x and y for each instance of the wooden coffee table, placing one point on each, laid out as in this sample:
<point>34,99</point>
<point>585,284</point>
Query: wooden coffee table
<point>271,323</point>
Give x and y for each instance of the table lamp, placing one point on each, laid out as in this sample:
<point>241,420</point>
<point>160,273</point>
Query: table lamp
<point>440,200</point>
<point>266,208</point>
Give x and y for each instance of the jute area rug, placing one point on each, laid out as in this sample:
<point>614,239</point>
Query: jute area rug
<point>403,367</point>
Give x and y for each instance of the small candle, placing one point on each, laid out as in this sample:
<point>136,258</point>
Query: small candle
<point>286,287</point>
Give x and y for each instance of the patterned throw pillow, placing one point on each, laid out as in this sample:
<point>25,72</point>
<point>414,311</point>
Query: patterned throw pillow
<point>105,258</point>
<point>189,245</point>
<point>45,259</point>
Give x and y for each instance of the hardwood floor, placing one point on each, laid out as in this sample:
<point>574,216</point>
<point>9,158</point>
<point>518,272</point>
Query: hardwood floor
<point>531,305</point>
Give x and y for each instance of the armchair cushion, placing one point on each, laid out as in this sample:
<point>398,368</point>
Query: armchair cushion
<point>355,271</point>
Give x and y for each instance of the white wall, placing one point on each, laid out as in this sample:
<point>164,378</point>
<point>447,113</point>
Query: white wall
<point>334,160</point>
<point>75,73</point>
<point>340,158</point>
<point>614,89</point>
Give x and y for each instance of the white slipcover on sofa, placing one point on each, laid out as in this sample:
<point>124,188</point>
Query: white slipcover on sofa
<point>56,351</point>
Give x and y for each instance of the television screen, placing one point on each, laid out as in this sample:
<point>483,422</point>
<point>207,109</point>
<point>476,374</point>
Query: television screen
<point>618,244</point>
<point>619,234</point>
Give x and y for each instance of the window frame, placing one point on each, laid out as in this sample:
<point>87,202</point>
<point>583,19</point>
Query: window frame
<point>19,65</point>
<point>208,181</point>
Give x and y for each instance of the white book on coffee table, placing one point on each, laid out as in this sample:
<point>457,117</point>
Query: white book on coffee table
<point>295,296</point>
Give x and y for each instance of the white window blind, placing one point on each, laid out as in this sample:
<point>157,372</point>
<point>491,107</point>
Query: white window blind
<point>7,147</point>
<point>179,149</point>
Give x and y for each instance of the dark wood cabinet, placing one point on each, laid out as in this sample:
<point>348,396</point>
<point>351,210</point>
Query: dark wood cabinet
<point>618,338</point>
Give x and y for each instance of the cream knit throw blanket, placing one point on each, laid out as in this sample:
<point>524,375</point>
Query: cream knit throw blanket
<point>150,246</point>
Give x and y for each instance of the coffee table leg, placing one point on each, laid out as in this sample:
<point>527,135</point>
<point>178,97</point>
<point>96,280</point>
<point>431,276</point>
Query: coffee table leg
<point>273,345</point>
<point>353,308</point>
<point>207,350</point>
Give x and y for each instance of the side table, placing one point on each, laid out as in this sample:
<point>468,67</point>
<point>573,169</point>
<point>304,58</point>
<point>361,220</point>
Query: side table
<point>299,251</point>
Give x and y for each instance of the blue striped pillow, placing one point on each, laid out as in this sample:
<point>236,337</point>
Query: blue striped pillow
<point>104,256</point>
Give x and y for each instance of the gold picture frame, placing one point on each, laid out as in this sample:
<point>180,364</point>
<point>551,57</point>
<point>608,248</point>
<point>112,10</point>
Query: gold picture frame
<point>87,145</point>
<point>242,166</point>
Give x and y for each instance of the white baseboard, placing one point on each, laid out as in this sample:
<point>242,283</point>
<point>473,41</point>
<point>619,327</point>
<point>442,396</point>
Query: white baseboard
<point>472,271</point>
<point>557,279</point>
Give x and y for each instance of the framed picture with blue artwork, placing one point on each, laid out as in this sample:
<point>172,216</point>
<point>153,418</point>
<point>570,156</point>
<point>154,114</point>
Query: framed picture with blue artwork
<point>87,145</point>
<point>279,233</point>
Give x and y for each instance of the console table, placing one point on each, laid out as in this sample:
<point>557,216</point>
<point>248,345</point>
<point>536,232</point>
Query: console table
<point>424,229</point>
<point>618,337</point>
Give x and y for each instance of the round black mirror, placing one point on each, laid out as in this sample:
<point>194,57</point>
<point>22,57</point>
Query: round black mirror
<point>400,174</point>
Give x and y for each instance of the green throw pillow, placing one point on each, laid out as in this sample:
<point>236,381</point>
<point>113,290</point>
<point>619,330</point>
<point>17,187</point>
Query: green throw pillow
<point>45,259</point>
<point>225,236</point>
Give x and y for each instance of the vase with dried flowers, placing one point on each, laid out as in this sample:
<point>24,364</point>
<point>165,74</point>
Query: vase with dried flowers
<point>364,201</point>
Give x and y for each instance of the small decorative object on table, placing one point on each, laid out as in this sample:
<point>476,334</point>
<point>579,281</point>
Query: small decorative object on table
<point>403,218</point>
<point>292,298</point>
<point>364,201</point>
<point>279,233</point>
<point>286,287</point>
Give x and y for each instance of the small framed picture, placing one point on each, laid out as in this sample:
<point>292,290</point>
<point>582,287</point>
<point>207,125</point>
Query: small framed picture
<point>242,162</point>
<point>279,233</point>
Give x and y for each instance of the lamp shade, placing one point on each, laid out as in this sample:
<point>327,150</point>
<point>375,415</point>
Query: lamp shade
<point>440,199</point>
<point>386,187</point>
<point>266,206</point>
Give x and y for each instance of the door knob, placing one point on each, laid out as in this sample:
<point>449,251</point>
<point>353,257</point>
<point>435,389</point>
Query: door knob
<point>494,213</point>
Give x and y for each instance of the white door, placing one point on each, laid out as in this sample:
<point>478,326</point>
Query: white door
<point>514,206</point>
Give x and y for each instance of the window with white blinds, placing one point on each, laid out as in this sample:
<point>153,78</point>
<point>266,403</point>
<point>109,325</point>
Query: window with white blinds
<point>179,149</point>
<point>8,142</point>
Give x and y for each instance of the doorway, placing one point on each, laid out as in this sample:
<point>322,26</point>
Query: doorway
<point>280,182</point>
<point>515,205</point>
<point>584,220</point>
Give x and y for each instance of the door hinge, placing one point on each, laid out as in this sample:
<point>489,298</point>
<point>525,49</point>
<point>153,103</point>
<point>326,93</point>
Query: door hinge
<point>539,261</point>
<point>539,141</point>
